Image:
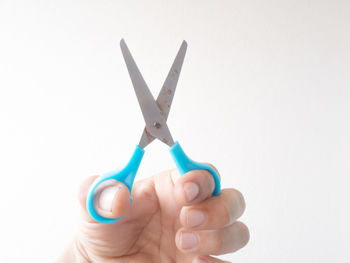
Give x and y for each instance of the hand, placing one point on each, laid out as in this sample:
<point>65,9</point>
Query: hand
<point>171,219</point>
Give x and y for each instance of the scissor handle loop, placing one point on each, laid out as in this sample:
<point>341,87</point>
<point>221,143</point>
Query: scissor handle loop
<point>184,164</point>
<point>125,176</point>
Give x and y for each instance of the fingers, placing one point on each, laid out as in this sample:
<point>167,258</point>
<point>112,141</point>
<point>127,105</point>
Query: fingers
<point>194,187</point>
<point>145,201</point>
<point>112,198</point>
<point>216,212</point>
<point>209,223</point>
<point>215,242</point>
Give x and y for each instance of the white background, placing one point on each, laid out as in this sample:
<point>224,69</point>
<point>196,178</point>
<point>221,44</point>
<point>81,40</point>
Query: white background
<point>264,95</point>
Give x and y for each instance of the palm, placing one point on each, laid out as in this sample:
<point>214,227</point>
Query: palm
<point>146,234</point>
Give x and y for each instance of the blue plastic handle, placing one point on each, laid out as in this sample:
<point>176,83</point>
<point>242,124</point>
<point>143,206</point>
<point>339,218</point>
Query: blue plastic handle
<point>184,164</point>
<point>126,176</point>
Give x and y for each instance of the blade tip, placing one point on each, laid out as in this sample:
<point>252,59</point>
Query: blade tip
<point>122,42</point>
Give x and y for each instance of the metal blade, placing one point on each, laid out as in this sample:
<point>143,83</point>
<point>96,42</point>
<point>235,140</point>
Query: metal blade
<point>146,138</point>
<point>155,122</point>
<point>167,92</point>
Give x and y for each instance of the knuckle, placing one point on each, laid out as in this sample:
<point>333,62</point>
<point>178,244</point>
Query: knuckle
<point>216,170</point>
<point>206,183</point>
<point>229,206</point>
<point>210,183</point>
<point>225,215</point>
<point>84,188</point>
<point>240,200</point>
<point>236,203</point>
<point>217,244</point>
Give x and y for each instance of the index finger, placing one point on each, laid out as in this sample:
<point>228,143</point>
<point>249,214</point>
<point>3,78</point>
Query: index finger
<point>194,187</point>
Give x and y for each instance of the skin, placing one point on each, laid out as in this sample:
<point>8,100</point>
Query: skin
<point>154,227</point>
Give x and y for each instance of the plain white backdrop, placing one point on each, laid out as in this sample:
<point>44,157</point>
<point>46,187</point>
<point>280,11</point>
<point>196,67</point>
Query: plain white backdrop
<point>263,95</point>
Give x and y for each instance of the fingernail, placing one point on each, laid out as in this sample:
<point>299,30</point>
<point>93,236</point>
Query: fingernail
<point>107,197</point>
<point>195,218</point>
<point>191,191</point>
<point>188,240</point>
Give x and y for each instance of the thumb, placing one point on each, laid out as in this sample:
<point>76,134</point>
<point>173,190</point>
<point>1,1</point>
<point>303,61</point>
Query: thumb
<point>112,198</point>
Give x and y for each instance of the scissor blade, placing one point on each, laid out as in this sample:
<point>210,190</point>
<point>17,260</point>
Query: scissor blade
<point>155,122</point>
<point>146,138</point>
<point>167,92</point>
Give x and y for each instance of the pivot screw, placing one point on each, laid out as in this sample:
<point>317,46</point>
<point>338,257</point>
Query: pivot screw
<point>157,125</point>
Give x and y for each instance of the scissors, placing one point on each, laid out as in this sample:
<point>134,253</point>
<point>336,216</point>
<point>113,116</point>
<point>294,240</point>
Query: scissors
<point>155,113</point>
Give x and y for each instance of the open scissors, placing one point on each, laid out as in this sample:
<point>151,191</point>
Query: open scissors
<point>155,114</point>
